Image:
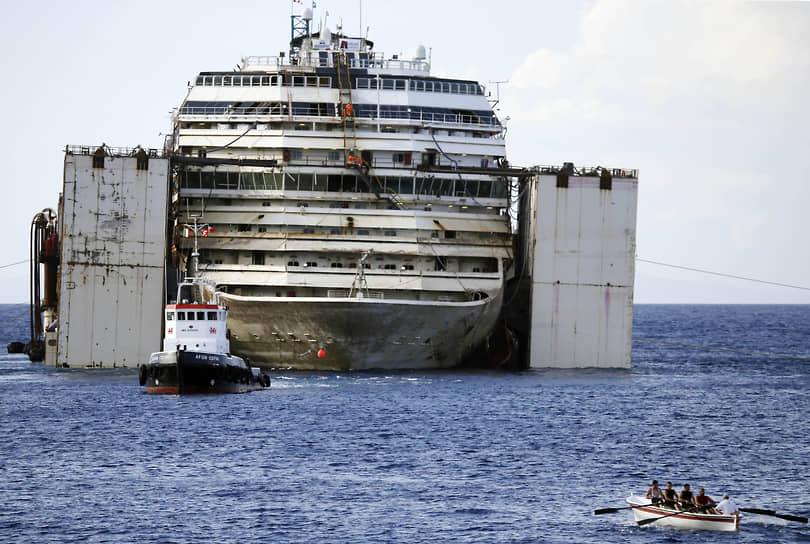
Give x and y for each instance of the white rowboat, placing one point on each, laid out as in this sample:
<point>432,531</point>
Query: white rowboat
<point>644,509</point>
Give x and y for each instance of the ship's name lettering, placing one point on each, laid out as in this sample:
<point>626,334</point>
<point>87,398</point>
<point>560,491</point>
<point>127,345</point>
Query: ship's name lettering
<point>205,357</point>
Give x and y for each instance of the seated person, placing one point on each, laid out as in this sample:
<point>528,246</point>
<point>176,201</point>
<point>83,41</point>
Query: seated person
<point>704,502</point>
<point>727,506</point>
<point>655,493</point>
<point>686,499</point>
<point>670,497</point>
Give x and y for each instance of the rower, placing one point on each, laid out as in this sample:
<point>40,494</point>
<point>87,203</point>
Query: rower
<point>655,493</point>
<point>705,503</point>
<point>670,497</point>
<point>687,498</point>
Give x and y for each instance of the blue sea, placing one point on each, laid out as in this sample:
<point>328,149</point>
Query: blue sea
<point>469,456</point>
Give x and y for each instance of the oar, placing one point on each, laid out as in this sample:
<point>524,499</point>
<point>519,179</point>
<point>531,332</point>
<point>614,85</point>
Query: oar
<point>761,512</point>
<point>651,520</point>
<point>758,511</point>
<point>610,510</point>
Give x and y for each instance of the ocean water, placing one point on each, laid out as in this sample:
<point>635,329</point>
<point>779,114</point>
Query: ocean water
<point>86,456</point>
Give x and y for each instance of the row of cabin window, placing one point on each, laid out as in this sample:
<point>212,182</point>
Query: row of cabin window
<point>427,113</point>
<point>448,234</point>
<point>328,109</point>
<point>277,181</point>
<point>400,158</point>
<point>190,316</point>
<point>262,81</point>
<point>310,230</point>
<point>257,258</point>
<point>418,85</point>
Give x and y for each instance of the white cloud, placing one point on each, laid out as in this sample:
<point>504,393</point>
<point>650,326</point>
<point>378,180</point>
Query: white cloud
<point>640,57</point>
<point>590,109</point>
<point>710,101</point>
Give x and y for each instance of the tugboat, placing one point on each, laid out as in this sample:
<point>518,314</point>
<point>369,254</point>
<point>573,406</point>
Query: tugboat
<point>196,354</point>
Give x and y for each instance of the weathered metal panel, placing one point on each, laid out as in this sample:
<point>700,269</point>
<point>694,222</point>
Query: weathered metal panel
<point>583,267</point>
<point>379,245</point>
<point>581,326</point>
<point>360,219</point>
<point>113,258</point>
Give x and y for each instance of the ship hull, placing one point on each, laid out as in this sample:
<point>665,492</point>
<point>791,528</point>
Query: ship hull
<point>187,372</point>
<point>358,334</point>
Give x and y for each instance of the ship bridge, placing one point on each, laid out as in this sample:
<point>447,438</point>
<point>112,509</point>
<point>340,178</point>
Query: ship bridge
<point>373,62</point>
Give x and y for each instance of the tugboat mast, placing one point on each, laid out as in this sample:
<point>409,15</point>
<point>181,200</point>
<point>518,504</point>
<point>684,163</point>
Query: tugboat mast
<point>196,228</point>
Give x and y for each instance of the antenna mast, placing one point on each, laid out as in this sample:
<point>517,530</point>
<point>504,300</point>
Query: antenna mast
<point>203,229</point>
<point>497,91</point>
<point>299,27</point>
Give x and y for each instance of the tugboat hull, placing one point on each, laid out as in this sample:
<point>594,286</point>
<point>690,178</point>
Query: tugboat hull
<point>191,372</point>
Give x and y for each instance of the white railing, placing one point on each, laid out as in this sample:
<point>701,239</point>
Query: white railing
<point>345,293</point>
<point>315,60</point>
<point>588,171</point>
<point>229,114</point>
<point>113,151</point>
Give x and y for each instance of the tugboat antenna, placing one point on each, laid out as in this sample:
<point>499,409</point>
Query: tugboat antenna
<point>196,228</point>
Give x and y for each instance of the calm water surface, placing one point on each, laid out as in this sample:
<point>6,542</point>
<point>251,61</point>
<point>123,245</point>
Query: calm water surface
<point>86,456</point>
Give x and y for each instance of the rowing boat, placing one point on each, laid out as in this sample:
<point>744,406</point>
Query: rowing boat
<point>667,517</point>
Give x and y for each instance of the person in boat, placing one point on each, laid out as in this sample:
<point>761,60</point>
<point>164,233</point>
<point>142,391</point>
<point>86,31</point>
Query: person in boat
<point>727,506</point>
<point>686,499</point>
<point>670,497</point>
<point>655,493</point>
<point>704,502</point>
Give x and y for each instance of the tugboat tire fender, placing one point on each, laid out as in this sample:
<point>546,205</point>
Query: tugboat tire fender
<point>142,375</point>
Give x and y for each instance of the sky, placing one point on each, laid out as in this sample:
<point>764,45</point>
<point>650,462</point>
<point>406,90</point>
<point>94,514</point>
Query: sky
<point>709,100</point>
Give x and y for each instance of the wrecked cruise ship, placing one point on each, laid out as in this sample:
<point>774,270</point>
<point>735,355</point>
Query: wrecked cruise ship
<point>357,205</point>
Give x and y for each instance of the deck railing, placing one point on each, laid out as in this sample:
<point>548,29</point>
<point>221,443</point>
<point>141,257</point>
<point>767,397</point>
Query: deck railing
<point>213,113</point>
<point>113,151</point>
<point>355,60</point>
<point>587,171</point>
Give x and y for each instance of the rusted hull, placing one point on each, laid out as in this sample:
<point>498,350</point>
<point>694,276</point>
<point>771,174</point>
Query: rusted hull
<point>358,334</point>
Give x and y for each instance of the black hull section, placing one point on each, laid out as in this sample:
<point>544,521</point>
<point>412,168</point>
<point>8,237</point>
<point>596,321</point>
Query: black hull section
<point>191,372</point>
